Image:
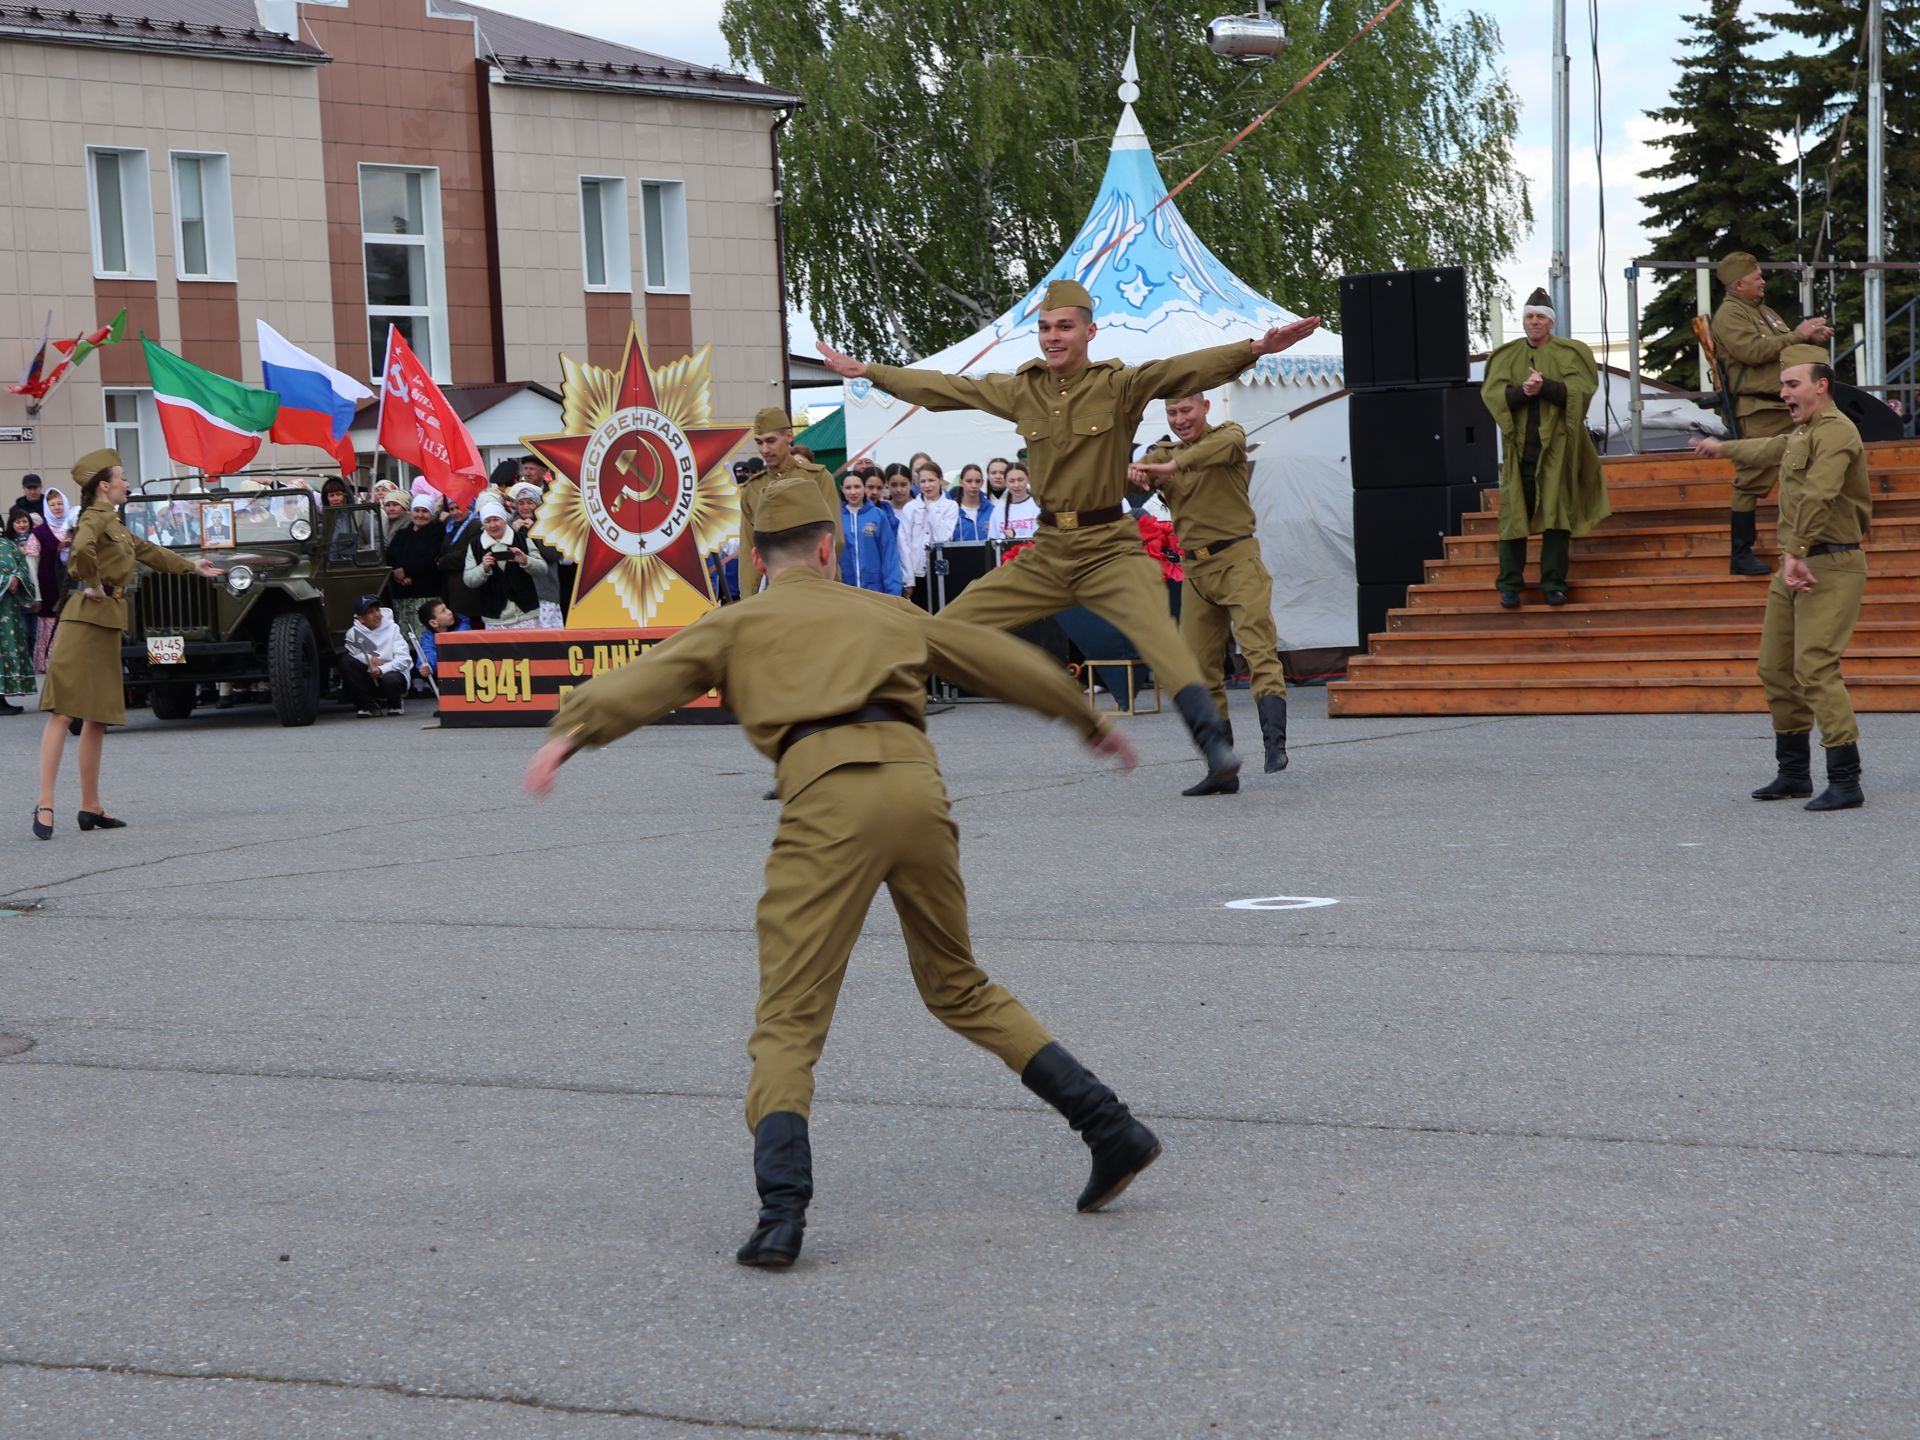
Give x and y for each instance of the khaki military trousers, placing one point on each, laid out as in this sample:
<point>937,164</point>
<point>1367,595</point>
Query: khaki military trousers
<point>1232,591</point>
<point>839,840</point>
<point>1104,569</point>
<point>1801,645</point>
<point>1751,483</point>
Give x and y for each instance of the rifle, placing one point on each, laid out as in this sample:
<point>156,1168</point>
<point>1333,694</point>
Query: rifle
<point>1703,332</point>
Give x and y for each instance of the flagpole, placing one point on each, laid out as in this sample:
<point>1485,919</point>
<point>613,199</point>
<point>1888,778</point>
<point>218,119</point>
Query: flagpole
<point>380,418</point>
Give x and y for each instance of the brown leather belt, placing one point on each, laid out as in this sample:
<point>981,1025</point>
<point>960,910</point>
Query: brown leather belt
<point>1082,519</point>
<point>1207,552</point>
<point>1831,549</point>
<point>875,714</point>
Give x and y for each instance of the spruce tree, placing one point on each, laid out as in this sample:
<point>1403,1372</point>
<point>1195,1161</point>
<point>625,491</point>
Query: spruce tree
<point>1727,187</point>
<point>1824,88</point>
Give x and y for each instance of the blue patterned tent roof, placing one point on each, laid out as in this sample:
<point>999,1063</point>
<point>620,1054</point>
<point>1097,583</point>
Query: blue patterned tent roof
<point>1157,291</point>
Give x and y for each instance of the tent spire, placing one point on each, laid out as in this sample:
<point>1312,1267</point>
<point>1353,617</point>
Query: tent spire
<point>1128,135</point>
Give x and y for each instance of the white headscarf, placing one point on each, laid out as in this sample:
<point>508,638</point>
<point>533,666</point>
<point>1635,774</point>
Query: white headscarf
<point>489,505</point>
<point>64,524</point>
<point>525,490</point>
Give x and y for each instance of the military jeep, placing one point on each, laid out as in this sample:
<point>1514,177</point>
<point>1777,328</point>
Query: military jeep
<point>276,620</point>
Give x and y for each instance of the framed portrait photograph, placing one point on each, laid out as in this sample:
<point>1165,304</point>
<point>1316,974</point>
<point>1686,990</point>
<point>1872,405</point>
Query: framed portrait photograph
<point>216,525</point>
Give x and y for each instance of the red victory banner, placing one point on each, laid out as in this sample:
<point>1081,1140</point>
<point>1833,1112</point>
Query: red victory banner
<point>417,425</point>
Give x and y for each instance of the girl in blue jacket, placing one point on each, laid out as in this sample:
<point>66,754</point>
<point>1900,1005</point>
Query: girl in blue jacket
<point>871,559</point>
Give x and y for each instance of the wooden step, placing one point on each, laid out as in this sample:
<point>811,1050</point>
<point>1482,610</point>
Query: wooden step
<point>1696,512</point>
<point>1685,465</point>
<point>1640,612</point>
<point>1734,663</point>
<point>1604,575</point>
<point>1629,495</point>
<point>1702,562</point>
<point>1445,646</point>
<point>1706,696</point>
<point>1889,533</point>
<point>1585,589</point>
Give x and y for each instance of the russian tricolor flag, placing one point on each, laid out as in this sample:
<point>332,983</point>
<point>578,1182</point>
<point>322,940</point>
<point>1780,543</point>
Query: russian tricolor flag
<point>316,401</point>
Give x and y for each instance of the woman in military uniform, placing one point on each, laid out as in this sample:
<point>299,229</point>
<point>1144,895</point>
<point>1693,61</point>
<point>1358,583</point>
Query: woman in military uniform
<point>83,670</point>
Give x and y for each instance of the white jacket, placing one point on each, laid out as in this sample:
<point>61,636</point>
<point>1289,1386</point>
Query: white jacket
<point>915,536</point>
<point>384,640</point>
<point>942,515</point>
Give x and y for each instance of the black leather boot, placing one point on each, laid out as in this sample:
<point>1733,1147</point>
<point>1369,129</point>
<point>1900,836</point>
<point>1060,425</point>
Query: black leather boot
<point>783,1174</point>
<point>1273,730</point>
<point>1213,738</point>
<point>1122,1147</point>
<point>1843,790</point>
<point>1793,757</point>
<point>1746,529</point>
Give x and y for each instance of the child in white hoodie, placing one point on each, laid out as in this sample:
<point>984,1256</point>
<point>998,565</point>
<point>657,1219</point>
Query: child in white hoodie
<point>377,662</point>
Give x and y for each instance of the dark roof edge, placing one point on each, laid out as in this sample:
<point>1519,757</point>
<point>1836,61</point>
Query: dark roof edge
<point>763,95</point>
<point>150,41</point>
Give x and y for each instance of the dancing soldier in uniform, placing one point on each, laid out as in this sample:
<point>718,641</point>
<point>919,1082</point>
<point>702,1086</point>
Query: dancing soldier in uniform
<point>1813,604</point>
<point>1078,418</point>
<point>773,434</point>
<point>830,682</point>
<point>1203,476</point>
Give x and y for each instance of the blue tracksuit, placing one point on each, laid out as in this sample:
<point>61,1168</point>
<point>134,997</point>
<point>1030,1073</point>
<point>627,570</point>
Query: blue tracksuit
<point>872,557</point>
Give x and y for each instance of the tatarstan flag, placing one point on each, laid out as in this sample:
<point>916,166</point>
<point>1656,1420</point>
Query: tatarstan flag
<point>211,423</point>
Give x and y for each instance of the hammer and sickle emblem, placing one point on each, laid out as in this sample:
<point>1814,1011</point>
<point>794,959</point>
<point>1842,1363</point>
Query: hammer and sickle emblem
<point>624,463</point>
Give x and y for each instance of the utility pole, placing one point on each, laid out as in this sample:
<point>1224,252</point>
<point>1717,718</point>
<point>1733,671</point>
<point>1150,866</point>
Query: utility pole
<point>1558,272</point>
<point>1873,355</point>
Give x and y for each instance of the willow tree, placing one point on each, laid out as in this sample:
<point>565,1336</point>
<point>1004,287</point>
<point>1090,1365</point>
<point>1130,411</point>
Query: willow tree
<point>948,152</point>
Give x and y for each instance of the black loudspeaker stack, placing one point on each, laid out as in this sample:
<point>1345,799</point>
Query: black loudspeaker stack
<point>1420,441</point>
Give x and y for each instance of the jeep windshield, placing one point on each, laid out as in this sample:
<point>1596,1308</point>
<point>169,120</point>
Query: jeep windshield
<point>260,517</point>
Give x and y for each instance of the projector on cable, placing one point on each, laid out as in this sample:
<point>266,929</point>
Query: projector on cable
<point>1247,39</point>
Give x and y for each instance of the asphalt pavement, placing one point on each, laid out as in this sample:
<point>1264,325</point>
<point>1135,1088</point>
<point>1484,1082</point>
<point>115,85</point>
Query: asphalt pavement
<point>349,1093</point>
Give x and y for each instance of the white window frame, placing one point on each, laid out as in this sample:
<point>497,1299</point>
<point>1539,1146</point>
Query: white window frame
<point>216,204</point>
<point>676,261</point>
<point>155,463</point>
<point>136,213</point>
<point>614,226</point>
<point>439,363</point>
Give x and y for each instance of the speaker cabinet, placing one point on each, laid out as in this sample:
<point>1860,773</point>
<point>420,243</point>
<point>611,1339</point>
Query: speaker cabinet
<point>1395,351</point>
<point>1440,325</point>
<point>1441,436</point>
<point>1356,330</point>
<point>1375,602</point>
<point>1395,532</point>
<point>1869,413</point>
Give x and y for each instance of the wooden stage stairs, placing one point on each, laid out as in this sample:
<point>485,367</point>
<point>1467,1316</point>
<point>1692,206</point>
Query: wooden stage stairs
<point>1653,622</point>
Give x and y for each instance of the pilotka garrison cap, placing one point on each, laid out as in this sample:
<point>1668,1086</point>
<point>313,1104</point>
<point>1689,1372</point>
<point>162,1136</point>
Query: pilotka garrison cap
<point>789,504</point>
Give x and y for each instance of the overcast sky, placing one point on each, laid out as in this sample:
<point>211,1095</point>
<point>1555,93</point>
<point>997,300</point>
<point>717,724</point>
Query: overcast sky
<point>1639,45</point>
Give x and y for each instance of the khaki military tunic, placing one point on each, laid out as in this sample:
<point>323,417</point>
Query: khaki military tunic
<point>1079,431</point>
<point>1748,338</point>
<point>862,804</point>
<point>1227,590</point>
<point>83,668</point>
<point>1824,500</point>
<point>756,487</point>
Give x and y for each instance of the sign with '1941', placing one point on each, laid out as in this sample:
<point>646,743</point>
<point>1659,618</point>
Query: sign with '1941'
<point>519,677</point>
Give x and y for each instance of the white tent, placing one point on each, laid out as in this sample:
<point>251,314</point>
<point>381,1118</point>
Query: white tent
<point>1159,291</point>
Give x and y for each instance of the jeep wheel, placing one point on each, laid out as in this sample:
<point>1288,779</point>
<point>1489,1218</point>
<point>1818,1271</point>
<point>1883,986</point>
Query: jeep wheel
<point>170,700</point>
<point>293,669</point>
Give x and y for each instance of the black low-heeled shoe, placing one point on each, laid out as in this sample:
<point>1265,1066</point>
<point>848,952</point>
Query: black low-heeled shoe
<point>42,832</point>
<point>74,725</point>
<point>99,820</point>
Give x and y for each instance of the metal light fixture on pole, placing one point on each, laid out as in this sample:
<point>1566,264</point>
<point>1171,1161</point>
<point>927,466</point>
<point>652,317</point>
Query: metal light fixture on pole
<point>1557,273</point>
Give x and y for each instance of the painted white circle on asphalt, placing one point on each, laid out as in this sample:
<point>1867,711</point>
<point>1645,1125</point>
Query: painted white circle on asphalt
<point>1282,902</point>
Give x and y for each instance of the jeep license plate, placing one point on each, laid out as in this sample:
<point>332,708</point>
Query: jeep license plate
<point>166,650</point>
